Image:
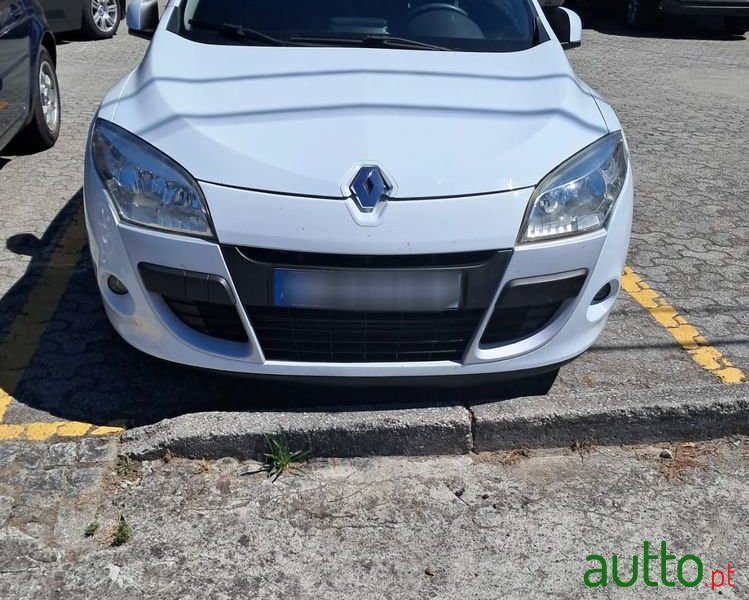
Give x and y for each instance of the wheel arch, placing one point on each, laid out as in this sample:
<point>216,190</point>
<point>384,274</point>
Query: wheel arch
<point>48,43</point>
<point>41,38</point>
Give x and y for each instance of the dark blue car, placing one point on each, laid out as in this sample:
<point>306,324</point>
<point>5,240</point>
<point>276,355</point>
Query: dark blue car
<point>96,19</point>
<point>29,92</point>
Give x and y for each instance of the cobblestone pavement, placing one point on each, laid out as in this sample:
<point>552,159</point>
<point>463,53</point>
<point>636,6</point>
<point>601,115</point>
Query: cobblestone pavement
<point>683,101</point>
<point>384,528</point>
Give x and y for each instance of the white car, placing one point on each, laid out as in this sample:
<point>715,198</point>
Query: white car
<point>361,189</point>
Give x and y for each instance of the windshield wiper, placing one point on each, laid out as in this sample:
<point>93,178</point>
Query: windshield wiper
<point>536,31</point>
<point>373,41</point>
<point>238,31</point>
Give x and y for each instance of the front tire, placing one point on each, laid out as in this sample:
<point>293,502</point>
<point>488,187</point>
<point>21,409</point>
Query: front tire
<point>44,128</point>
<point>101,18</point>
<point>736,25</point>
<point>641,14</point>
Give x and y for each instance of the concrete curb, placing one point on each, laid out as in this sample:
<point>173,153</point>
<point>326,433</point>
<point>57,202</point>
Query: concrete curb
<point>344,433</point>
<point>605,418</point>
<point>620,417</point>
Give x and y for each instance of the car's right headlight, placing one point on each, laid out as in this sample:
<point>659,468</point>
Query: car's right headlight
<point>578,196</point>
<point>146,186</point>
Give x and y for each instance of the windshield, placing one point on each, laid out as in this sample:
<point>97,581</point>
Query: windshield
<point>471,25</point>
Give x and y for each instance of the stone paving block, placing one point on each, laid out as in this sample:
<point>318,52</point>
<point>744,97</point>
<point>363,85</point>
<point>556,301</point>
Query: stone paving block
<point>61,454</point>
<point>97,449</point>
<point>6,506</point>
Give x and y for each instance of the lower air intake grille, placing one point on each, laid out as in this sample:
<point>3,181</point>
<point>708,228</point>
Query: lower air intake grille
<point>314,335</point>
<point>513,324</point>
<point>217,320</point>
<point>526,306</point>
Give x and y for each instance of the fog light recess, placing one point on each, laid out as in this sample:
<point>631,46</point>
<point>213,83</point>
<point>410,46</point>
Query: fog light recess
<point>602,294</point>
<point>116,286</point>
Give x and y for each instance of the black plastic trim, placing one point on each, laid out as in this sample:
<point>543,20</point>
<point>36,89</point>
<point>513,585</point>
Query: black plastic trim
<point>254,278</point>
<point>543,290</point>
<point>526,306</point>
<point>180,284</point>
<point>459,381</point>
<point>364,261</point>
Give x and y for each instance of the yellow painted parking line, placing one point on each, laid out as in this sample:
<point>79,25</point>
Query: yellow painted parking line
<point>705,355</point>
<point>5,401</point>
<point>19,347</point>
<point>11,432</point>
<point>25,333</point>
<point>43,431</point>
<point>31,322</point>
<point>106,430</point>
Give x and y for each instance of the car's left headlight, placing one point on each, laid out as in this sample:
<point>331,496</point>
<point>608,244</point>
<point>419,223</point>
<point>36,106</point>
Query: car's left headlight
<point>577,197</point>
<point>146,186</point>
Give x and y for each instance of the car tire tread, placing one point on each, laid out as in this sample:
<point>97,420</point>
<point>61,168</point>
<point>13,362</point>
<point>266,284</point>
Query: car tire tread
<point>89,28</point>
<point>36,136</point>
<point>641,14</point>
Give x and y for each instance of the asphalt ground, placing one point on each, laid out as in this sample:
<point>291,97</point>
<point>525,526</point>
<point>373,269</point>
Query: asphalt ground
<point>683,324</point>
<point>481,526</point>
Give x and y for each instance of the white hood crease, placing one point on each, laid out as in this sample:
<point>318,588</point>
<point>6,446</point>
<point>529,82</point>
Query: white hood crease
<point>300,120</point>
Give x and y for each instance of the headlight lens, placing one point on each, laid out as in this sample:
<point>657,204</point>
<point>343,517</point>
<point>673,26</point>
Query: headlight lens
<point>577,197</point>
<point>146,186</point>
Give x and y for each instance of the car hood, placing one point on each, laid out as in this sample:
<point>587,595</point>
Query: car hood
<point>303,120</point>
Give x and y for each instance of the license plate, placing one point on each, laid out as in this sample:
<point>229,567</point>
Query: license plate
<point>360,290</point>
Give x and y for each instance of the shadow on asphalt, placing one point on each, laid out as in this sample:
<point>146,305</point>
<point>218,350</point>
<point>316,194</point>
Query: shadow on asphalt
<point>83,371</point>
<point>610,20</point>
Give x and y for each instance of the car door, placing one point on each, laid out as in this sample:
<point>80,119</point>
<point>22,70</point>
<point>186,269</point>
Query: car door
<point>62,15</point>
<point>15,64</point>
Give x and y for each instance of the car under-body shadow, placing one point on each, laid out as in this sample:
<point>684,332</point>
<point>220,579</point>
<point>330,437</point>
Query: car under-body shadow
<point>82,370</point>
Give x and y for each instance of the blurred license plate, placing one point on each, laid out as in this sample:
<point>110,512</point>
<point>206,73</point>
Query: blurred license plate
<point>407,291</point>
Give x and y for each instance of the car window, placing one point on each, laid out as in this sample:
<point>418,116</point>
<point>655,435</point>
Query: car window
<point>4,11</point>
<point>477,25</point>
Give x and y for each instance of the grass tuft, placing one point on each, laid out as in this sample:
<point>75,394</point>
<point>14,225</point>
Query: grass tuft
<point>515,456</point>
<point>583,448</point>
<point>279,459</point>
<point>126,466</point>
<point>91,529</point>
<point>122,532</point>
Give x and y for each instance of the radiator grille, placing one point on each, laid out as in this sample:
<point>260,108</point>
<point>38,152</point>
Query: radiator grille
<point>314,335</point>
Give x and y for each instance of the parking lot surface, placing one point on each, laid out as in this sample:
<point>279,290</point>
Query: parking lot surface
<point>682,100</point>
<point>517,524</point>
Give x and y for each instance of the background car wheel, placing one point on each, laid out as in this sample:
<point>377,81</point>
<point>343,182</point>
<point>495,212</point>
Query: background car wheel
<point>641,14</point>
<point>44,129</point>
<point>736,25</point>
<point>101,18</point>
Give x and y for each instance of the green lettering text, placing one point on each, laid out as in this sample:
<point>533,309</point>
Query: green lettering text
<point>646,556</point>
<point>602,579</point>
<point>696,581</point>
<point>615,572</point>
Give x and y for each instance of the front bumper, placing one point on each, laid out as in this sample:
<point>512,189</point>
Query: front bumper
<point>150,321</point>
<point>717,8</point>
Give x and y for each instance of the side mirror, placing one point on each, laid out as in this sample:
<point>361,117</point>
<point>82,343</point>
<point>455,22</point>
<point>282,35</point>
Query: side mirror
<point>566,25</point>
<point>143,18</point>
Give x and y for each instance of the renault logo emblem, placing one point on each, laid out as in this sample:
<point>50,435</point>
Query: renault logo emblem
<point>369,187</point>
